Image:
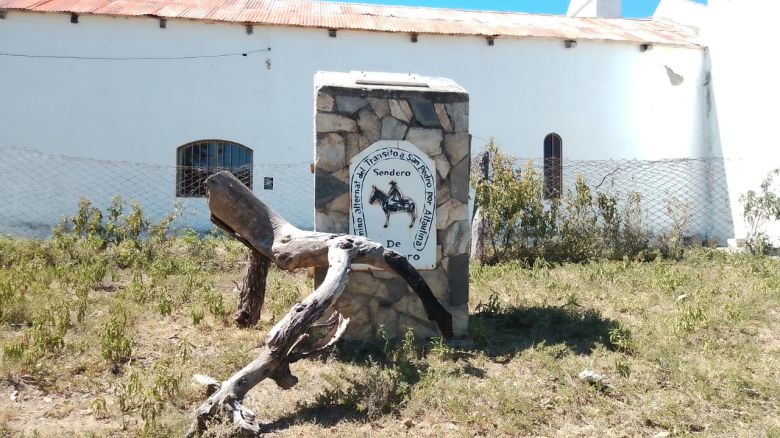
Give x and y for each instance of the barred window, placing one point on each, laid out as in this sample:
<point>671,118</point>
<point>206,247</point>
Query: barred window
<point>553,166</point>
<point>197,160</point>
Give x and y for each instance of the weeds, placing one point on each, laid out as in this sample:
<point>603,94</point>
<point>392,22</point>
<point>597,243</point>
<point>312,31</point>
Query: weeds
<point>620,340</point>
<point>115,343</point>
<point>691,316</point>
<point>623,367</point>
<point>673,241</point>
<point>52,326</point>
<point>99,407</point>
<point>687,345</point>
<point>146,393</point>
<point>439,348</point>
<point>382,387</point>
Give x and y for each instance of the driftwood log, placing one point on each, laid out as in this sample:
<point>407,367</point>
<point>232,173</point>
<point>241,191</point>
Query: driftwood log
<point>235,209</point>
<point>479,225</point>
<point>252,294</point>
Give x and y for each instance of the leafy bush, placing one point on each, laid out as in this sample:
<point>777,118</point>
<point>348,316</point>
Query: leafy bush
<point>130,240</point>
<point>758,210</point>
<point>580,226</point>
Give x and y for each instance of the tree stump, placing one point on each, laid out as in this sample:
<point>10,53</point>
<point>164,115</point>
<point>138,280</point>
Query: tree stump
<point>235,209</point>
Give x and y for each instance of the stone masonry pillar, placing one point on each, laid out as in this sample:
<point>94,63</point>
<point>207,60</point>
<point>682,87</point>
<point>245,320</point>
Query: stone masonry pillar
<point>393,164</point>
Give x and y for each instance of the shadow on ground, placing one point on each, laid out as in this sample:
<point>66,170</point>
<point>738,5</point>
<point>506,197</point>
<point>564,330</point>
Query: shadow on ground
<point>506,331</point>
<point>511,330</point>
<point>499,333</point>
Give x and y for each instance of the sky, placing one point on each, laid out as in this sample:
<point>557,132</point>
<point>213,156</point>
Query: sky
<point>631,8</point>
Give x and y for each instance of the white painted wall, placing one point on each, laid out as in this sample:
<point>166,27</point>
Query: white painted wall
<point>606,100</point>
<point>745,95</point>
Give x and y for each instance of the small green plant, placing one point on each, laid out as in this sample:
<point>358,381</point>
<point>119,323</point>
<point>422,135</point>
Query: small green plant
<point>511,203</point>
<point>623,367</point>
<point>492,308</point>
<point>146,393</point>
<point>115,343</point>
<point>127,392</point>
<point>213,301</point>
<point>49,329</point>
<point>440,348</point>
<point>381,387</point>
<point>478,331</point>
<point>130,239</point>
<point>758,210</point>
<point>196,314</point>
<point>99,407</point>
<point>185,350</point>
<point>137,291</point>
<point>620,340</point>
<point>165,303</point>
<point>166,381</point>
<point>14,350</point>
<point>572,300</point>
<point>376,390</point>
<point>691,316</point>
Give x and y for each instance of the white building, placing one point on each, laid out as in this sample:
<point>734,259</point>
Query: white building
<point>127,80</point>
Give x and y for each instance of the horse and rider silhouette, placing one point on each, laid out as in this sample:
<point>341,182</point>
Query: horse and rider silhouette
<point>393,202</point>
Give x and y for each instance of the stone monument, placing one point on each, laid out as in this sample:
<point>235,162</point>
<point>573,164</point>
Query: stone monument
<point>392,164</point>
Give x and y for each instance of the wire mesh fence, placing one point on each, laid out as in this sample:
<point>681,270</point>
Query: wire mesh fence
<point>690,196</point>
<point>39,189</point>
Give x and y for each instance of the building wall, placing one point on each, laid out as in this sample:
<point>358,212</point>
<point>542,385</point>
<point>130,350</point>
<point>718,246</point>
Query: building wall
<point>744,96</point>
<point>606,99</point>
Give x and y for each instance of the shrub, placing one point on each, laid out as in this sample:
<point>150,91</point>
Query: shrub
<point>758,210</point>
<point>581,225</point>
<point>511,202</point>
<point>131,239</point>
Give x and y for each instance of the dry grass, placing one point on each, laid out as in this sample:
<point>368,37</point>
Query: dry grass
<point>99,345</point>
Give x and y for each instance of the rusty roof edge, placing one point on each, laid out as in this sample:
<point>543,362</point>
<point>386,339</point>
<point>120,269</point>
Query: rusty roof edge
<point>467,11</point>
<point>692,41</point>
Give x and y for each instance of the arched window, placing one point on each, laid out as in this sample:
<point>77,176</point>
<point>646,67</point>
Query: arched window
<point>199,159</point>
<point>553,167</point>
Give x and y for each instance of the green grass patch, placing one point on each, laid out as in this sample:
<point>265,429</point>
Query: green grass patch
<point>102,337</point>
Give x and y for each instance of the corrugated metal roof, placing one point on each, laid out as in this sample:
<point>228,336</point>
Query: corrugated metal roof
<point>354,16</point>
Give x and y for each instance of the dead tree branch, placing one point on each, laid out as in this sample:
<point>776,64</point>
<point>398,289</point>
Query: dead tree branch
<point>235,209</point>
<point>252,293</point>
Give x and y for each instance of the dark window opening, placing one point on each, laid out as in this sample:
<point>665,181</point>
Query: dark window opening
<point>553,166</point>
<point>268,183</point>
<point>198,160</point>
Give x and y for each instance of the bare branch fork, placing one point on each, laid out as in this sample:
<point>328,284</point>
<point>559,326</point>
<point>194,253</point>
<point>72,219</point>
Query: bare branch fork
<point>239,212</point>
